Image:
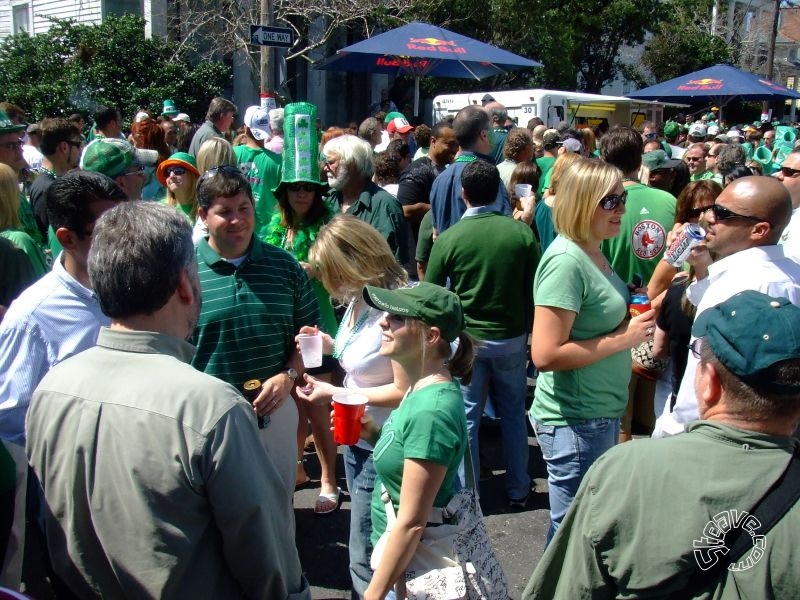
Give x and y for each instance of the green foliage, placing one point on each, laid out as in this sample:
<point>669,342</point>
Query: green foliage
<point>74,68</point>
<point>602,28</point>
<point>577,41</point>
<point>684,43</point>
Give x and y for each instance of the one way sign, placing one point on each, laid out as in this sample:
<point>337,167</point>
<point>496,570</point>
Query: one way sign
<point>264,35</point>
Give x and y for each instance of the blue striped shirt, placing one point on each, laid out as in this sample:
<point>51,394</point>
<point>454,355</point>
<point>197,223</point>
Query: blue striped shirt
<point>53,319</point>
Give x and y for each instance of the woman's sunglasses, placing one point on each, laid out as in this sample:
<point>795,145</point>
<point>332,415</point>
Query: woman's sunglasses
<point>175,171</point>
<point>612,201</point>
<point>301,187</point>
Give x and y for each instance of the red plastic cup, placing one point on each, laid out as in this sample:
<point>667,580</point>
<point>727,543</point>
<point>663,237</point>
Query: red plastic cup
<point>347,412</point>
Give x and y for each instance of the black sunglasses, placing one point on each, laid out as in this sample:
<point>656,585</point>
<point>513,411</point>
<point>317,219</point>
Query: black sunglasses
<point>694,213</point>
<point>612,201</point>
<point>227,169</point>
<point>75,144</point>
<point>723,214</point>
<point>175,171</point>
<point>301,187</point>
<point>789,172</point>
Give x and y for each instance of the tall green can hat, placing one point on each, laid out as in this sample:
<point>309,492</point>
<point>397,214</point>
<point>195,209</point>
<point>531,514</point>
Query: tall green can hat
<point>169,109</point>
<point>301,145</point>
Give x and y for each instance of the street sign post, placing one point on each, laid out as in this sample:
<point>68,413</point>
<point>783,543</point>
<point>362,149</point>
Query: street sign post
<point>277,37</point>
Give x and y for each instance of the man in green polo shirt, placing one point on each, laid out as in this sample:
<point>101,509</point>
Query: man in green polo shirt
<point>255,299</point>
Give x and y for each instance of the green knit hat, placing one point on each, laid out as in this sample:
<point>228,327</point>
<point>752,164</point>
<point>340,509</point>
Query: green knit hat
<point>300,145</point>
<point>7,125</point>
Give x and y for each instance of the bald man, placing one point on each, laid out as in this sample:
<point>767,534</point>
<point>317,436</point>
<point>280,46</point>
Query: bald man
<point>741,253</point>
<point>789,175</point>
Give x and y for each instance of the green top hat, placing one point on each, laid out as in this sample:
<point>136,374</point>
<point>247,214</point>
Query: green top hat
<point>169,109</point>
<point>7,125</point>
<point>300,146</point>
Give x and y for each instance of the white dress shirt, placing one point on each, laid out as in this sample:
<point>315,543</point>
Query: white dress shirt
<point>765,269</point>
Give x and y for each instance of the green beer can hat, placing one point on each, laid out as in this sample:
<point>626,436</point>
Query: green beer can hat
<point>427,302</point>
<point>112,156</point>
<point>300,146</point>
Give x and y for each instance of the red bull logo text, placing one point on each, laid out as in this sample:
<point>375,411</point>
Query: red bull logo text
<point>701,84</point>
<point>402,62</point>
<point>430,44</point>
<point>771,84</point>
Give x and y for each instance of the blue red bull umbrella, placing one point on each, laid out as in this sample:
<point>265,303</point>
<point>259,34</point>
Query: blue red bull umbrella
<point>719,84</point>
<point>424,50</point>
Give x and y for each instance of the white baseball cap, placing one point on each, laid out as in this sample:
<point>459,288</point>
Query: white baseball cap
<point>257,120</point>
<point>698,130</point>
<point>182,117</point>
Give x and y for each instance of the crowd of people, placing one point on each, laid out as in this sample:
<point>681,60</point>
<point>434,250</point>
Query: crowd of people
<point>155,409</point>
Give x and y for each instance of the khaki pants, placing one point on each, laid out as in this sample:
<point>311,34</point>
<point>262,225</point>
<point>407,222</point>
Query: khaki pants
<point>280,441</point>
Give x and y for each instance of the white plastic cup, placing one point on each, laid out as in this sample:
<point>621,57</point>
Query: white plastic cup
<point>523,190</point>
<point>310,349</point>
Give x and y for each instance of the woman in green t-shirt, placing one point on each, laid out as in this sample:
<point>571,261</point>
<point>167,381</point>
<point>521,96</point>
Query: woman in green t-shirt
<point>420,447</point>
<point>582,335</point>
<point>10,224</point>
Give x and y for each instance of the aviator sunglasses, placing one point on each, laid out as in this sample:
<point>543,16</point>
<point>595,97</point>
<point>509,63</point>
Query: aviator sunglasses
<point>612,201</point>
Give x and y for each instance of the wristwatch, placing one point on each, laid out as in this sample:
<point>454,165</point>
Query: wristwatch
<point>293,375</point>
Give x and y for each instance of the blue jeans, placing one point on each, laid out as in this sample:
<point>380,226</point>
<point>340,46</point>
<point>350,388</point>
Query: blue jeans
<point>360,474</point>
<point>501,369</point>
<point>569,451</point>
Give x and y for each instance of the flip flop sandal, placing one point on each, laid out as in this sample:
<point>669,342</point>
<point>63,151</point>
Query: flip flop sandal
<point>327,503</point>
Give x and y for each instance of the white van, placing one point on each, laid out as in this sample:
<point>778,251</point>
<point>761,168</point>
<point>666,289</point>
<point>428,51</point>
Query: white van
<point>553,106</point>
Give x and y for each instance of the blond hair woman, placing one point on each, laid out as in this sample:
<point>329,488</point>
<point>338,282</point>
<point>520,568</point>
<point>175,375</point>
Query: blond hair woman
<point>348,255</point>
<point>582,333</point>
<point>10,225</point>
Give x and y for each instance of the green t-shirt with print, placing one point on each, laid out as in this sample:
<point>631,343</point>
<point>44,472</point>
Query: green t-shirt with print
<point>649,216</point>
<point>430,424</point>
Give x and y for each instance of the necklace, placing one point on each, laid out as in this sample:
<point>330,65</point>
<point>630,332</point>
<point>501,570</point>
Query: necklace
<point>600,261</point>
<point>630,180</point>
<point>342,341</point>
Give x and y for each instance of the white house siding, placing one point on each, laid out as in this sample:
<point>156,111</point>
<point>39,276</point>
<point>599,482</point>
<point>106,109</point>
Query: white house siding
<point>82,11</point>
<point>5,18</point>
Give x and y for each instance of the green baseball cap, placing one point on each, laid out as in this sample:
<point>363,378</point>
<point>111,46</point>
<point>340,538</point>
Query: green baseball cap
<point>7,125</point>
<point>671,129</point>
<point>393,115</point>
<point>111,156</point>
<point>749,332</point>
<point>658,159</point>
<point>430,303</point>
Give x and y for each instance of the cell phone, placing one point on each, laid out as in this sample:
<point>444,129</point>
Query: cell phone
<point>638,281</point>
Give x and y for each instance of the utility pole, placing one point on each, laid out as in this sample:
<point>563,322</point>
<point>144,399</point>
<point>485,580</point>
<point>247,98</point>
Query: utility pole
<point>773,36</point>
<point>267,55</point>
